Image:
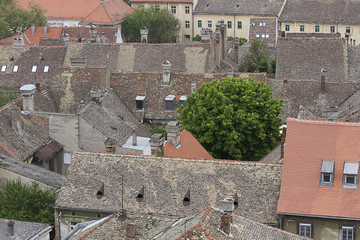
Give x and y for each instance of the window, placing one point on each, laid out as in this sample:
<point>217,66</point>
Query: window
<point>187,40</point>
<point>67,157</point>
<point>229,25</point>
<point>46,69</point>
<point>187,10</point>
<point>182,101</point>
<point>302,28</point>
<point>33,69</point>
<point>187,24</point>
<point>347,29</point>
<point>351,172</point>
<point>15,68</point>
<point>199,24</point>
<point>257,35</point>
<point>239,25</point>
<point>173,9</point>
<point>209,24</point>
<point>287,27</point>
<point>332,29</point>
<point>347,233</point>
<point>266,35</point>
<point>3,68</point>
<point>305,229</point>
<point>262,35</point>
<point>317,28</point>
<point>327,173</point>
<point>262,24</point>
<point>170,103</point>
<point>139,103</point>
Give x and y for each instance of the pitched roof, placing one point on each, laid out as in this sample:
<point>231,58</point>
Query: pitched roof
<point>320,11</point>
<point>189,148</point>
<point>151,1</point>
<point>31,171</point>
<point>242,7</point>
<point>22,230</point>
<point>308,143</point>
<point>84,33</point>
<point>166,181</point>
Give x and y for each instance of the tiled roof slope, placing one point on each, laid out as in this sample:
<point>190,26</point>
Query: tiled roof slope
<point>303,58</point>
<point>321,11</point>
<point>150,1</point>
<point>84,33</point>
<point>31,171</point>
<point>22,230</point>
<point>166,181</point>
<point>307,144</point>
<point>242,7</point>
<point>31,40</point>
<point>189,148</point>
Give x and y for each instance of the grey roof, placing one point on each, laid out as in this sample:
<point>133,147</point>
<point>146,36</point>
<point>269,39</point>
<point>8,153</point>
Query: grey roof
<point>321,11</point>
<point>22,230</point>
<point>240,7</point>
<point>166,181</point>
<point>33,172</point>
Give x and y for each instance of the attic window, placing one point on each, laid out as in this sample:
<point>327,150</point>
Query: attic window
<point>182,101</point>
<point>15,68</point>
<point>46,69</point>
<point>139,103</point>
<point>140,195</point>
<point>327,173</point>
<point>34,68</point>
<point>170,103</point>
<point>351,175</point>
<point>3,68</point>
<point>186,200</point>
<point>100,192</point>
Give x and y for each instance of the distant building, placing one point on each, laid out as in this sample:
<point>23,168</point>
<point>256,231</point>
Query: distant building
<point>20,230</point>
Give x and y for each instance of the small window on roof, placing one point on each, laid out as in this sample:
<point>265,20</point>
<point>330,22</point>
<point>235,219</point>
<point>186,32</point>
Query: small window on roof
<point>139,103</point>
<point>3,68</point>
<point>327,173</point>
<point>351,175</point>
<point>182,101</point>
<point>46,69</point>
<point>15,68</point>
<point>34,68</point>
<point>170,103</point>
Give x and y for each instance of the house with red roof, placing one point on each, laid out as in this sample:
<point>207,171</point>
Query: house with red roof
<point>319,195</point>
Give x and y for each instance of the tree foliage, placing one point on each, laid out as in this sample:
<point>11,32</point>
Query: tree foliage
<point>7,94</point>
<point>233,118</point>
<point>14,19</point>
<point>26,202</point>
<point>162,25</point>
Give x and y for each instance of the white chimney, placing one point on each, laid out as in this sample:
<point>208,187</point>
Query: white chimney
<point>45,30</point>
<point>157,145</point>
<point>226,218</point>
<point>27,93</point>
<point>144,34</point>
<point>173,132</point>
<point>32,29</point>
<point>166,66</point>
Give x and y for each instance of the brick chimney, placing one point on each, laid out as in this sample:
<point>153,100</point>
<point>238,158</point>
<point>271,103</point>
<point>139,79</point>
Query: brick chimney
<point>10,228</point>
<point>144,34</point>
<point>110,145</point>
<point>226,218</point>
<point>205,34</point>
<point>157,145</point>
<point>166,66</point>
<point>27,93</point>
<point>173,132</point>
<point>33,29</point>
<point>95,95</point>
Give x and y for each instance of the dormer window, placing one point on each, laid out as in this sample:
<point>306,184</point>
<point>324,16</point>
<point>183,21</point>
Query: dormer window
<point>182,101</point>
<point>327,173</point>
<point>34,68</point>
<point>170,103</point>
<point>139,103</point>
<point>351,175</point>
<point>46,69</point>
<point>3,68</point>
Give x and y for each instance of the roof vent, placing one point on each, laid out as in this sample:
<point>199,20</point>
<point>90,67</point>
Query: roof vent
<point>10,228</point>
<point>186,200</point>
<point>236,201</point>
<point>12,58</point>
<point>140,196</point>
<point>100,192</point>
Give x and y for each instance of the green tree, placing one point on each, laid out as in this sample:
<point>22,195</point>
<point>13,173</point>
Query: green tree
<point>26,202</point>
<point>233,118</point>
<point>8,94</point>
<point>162,25</point>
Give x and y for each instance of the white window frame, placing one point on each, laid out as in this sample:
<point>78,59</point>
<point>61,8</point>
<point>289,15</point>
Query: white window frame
<point>267,35</point>
<point>187,24</point>
<point>3,68</point>
<point>257,36</point>
<point>46,68</point>
<point>209,23</point>
<point>346,236</point>
<point>351,170</point>
<point>305,229</point>
<point>33,68</point>
<point>182,100</point>
<point>15,68</point>
<point>140,99</point>
<point>187,10</point>
<point>173,9</point>
<point>67,157</point>
<point>263,35</point>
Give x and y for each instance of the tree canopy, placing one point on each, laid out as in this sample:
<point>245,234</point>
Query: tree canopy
<point>162,25</point>
<point>14,19</point>
<point>233,118</point>
<point>26,202</point>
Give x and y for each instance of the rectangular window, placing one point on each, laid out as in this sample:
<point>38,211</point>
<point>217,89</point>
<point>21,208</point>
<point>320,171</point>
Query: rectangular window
<point>15,68</point>
<point>46,69</point>
<point>287,27</point>
<point>302,28</point>
<point>139,103</point>
<point>182,101</point>
<point>317,28</point>
<point>173,9</point>
<point>3,68</point>
<point>209,24</point>
<point>170,103</point>
<point>327,173</point>
<point>187,24</point>
<point>347,29</point>
<point>332,29</point>
<point>263,35</point>
<point>347,233</point>
<point>33,69</point>
<point>350,178</point>
<point>267,36</point>
<point>257,35</point>
<point>67,157</point>
<point>199,24</point>
<point>229,25</point>
<point>305,229</point>
<point>239,25</point>
<point>187,10</point>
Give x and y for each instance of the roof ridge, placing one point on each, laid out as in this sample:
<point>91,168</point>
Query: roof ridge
<point>323,122</point>
<point>107,13</point>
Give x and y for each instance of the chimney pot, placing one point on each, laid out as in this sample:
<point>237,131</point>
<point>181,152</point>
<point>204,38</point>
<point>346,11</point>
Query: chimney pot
<point>173,132</point>
<point>157,145</point>
<point>110,145</point>
<point>10,228</point>
<point>95,95</point>
<point>144,34</point>
<point>32,29</point>
<point>27,93</point>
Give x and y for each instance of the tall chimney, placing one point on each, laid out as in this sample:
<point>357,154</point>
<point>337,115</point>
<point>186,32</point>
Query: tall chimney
<point>93,33</point>
<point>223,38</point>
<point>218,46</point>
<point>173,132</point>
<point>32,29</point>
<point>157,145</point>
<point>193,86</point>
<point>322,85</point>
<point>45,30</point>
<point>134,138</point>
<point>27,93</point>
<point>226,218</point>
<point>10,228</point>
<point>144,34</point>
<point>166,66</point>
<point>110,145</point>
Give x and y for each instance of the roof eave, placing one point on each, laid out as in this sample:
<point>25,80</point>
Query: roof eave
<point>316,216</point>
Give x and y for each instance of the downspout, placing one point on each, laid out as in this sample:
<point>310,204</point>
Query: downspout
<point>280,219</point>
<point>59,231</point>
<point>193,24</point>
<point>248,38</point>
<point>234,26</point>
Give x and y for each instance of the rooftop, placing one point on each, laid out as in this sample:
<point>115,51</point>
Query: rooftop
<point>22,230</point>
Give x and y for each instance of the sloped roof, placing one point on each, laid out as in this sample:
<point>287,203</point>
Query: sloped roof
<point>84,33</point>
<point>31,40</point>
<point>242,7</point>
<point>321,11</point>
<point>166,181</point>
<point>151,1</point>
<point>22,230</point>
<point>308,143</point>
<point>189,148</point>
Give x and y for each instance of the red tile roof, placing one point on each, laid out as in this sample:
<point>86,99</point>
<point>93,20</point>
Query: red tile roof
<point>33,40</point>
<point>307,144</point>
<point>190,148</point>
<point>150,1</point>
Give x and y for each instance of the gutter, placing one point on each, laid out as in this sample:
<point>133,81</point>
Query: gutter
<point>316,216</point>
<point>77,227</point>
<point>83,210</point>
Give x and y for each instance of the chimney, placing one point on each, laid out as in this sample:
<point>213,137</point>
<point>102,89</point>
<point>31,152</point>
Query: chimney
<point>66,39</point>
<point>322,85</point>
<point>27,93</point>
<point>102,37</point>
<point>166,66</point>
<point>10,228</point>
<point>110,145</point>
<point>157,145</point>
<point>218,49</point>
<point>283,137</point>
<point>226,218</point>
<point>193,86</point>
<point>205,34</point>
<point>134,138</point>
<point>144,34</point>
<point>230,72</point>
<point>93,33</point>
<point>236,49</point>
<point>173,132</point>
<point>45,30</point>
<point>32,29</point>
<point>223,38</point>
<point>95,95</point>
<point>19,41</point>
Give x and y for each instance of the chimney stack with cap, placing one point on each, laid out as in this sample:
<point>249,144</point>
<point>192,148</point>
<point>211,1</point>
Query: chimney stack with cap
<point>166,66</point>
<point>32,29</point>
<point>95,95</point>
<point>157,145</point>
<point>10,228</point>
<point>27,93</point>
<point>110,145</point>
<point>226,218</point>
<point>93,33</point>
<point>45,30</point>
<point>144,34</point>
<point>173,132</point>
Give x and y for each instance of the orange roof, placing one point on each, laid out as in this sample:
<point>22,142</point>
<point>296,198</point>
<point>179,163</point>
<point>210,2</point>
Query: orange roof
<point>307,144</point>
<point>150,1</point>
<point>189,148</point>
